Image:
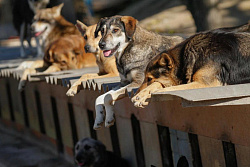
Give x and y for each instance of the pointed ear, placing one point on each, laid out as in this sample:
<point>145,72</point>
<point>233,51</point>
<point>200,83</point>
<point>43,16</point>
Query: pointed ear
<point>57,10</point>
<point>81,27</point>
<point>166,60</point>
<point>99,25</point>
<point>130,25</point>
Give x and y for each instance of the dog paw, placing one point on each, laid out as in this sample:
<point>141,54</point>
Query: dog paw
<point>98,125</point>
<point>110,121</point>
<point>141,101</point>
<point>72,91</point>
<point>21,85</point>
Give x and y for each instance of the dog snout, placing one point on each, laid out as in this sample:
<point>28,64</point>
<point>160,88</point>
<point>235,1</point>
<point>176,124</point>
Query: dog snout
<point>102,44</point>
<point>87,47</point>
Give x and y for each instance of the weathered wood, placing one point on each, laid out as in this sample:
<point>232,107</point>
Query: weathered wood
<point>104,136</point>
<point>126,140</point>
<point>242,155</point>
<point>151,144</point>
<point>16,102</point>
<point>211,150</point>
<point>4,101</point>
<point>45,98</point>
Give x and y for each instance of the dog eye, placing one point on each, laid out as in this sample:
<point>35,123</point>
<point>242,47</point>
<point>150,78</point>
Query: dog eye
<point>115,30</point>
<point>149,79</point>
<point>64,62</point>
<point>87,147</point>
<point>85,37</point>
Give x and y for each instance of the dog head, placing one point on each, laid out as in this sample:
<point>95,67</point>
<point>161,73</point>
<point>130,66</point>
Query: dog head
<point>88,33</point>
<point>89,152</point>
<point>160,69</point>
<point>35,5</point>
<point>117,32</point>
<point>45,19</point>
<point>65,52</point>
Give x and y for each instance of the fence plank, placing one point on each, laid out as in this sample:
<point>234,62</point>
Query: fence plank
<point>104,136</point>
<point>126,140</point>
<point>181,147</point>
<point>5,110</point>
<point>211,150</point>
<point>151,145</point>
<point>49,123</point>
<point>242,155</point>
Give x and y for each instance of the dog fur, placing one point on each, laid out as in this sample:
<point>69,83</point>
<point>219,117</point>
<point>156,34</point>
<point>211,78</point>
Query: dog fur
<point>132,46</point>
<point>49,25</point>
<point>23,13</point>
<point>207,59</point>
<point>92,153</point>
<point>107,66</point>
<point>66,53</point>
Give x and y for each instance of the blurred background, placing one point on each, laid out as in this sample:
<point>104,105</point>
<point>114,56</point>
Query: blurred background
<point>163,16</point>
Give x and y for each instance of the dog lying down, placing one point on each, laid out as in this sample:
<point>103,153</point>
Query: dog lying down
<point>207,59</point>
<point>92,153</point>
<point>66,53</point>
<point>132,47</point>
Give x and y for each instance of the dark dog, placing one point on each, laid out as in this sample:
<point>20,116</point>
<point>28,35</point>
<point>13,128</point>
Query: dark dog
<point>90,152</point>
<point>213,58</point>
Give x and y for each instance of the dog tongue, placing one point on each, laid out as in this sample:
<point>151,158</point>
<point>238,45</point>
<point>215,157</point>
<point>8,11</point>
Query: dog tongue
<point>106,53</point>
<point>38,33</point>
<point>80,164</point>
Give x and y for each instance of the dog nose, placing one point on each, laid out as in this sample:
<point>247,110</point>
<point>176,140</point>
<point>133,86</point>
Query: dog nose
<point>87,47</point>
<point>102,44</point>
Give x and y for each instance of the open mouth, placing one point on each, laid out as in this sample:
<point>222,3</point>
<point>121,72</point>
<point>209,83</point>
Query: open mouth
<point>108,53</point>
<point>40,32</point>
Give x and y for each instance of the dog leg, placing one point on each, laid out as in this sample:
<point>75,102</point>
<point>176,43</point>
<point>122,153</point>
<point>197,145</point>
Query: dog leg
<point>75,87</point>
<point>22,34</point>
<point>52,68</point>
<point>142,98</point>
<point>30,70</point>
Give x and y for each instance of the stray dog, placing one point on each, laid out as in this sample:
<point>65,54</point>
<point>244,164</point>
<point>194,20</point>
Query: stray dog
<point>132,47</point>
<point>207,59</point>
<point>92,153</point>
<point>49,25</point>
<point>66,53</point>
<point>107,66</point>
<point>23,13</point>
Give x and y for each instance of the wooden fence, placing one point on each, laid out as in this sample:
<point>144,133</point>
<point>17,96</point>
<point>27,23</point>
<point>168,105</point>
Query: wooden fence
<point>204,127</point>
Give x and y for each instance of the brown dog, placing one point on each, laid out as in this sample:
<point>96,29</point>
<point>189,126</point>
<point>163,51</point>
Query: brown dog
<point>49,25</point>
<point>213,58</point>
<point>107,65</point>
<point>66,53</point>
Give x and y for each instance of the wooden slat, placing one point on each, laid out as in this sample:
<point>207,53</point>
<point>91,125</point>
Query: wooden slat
<point>126,140</point>
<point>16,102</point>
<point>31,107</point>
<point>211,150</point>
<point>180,146</point>
<point>104,136</point>
<point>49,123</point>
<point>5,110</point>
<point>151,145</point>
<point>242,155</point>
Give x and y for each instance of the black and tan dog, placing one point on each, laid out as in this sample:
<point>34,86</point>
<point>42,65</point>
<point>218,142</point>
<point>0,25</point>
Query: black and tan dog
<point>132,47</point>
<point>92,153</point>
<point>213,58</point>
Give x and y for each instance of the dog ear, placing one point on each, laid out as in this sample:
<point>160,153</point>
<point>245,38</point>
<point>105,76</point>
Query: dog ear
<point>57,10</point>
<point>130,25</point>
<point>99,25</point>
<point>165,60</point>
<point>81,27</point>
